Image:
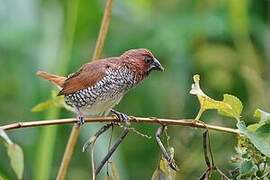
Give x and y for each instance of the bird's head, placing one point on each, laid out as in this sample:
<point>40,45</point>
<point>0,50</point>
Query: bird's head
<point>142,59</point>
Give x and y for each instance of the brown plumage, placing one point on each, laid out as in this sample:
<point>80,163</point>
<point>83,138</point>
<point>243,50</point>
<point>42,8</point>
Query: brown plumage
<point>98,86</point>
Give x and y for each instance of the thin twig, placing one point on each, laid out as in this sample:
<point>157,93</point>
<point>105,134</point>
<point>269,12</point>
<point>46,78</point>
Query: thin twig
<point>93,162</point>
<point>111,151</point>
<point>109,147</point>
<point>68,152</point>
<point>103,30</point>
<point>93,139</point>
<point>177,122</point>
<point>165,154</point>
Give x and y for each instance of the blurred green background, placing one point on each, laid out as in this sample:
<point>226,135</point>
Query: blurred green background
<point>226,41</point>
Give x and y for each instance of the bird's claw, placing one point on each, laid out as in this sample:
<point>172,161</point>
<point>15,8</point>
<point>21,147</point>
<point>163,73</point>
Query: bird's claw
<point>80,121</point>
<point>121,116</point>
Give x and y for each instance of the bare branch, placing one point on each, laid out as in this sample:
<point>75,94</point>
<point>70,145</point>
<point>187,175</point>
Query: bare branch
<point>177,122</point>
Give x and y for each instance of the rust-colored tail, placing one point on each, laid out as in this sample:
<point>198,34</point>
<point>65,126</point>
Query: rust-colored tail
<point>55,79</point>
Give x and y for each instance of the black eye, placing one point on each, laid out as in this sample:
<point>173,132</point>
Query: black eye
<point>148,59</point>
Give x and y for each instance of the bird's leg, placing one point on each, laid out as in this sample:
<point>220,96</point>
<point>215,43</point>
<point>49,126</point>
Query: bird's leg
<point>165,154</point>
<point>121,116</point>
<point>79,117</point>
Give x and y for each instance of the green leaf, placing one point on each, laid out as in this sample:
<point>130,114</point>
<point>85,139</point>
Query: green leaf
<point>264,132</point>
<point>262,115</point>
<point>235,109</point>
<point>15,154</point>
<point>163,171</point>
<point>247,168</point>
<point>259,138</point>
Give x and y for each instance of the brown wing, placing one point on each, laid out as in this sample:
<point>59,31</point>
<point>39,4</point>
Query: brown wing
<point>87,76</point>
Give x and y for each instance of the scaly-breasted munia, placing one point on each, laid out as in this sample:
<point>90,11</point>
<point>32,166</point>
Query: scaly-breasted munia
<point>99,85</point>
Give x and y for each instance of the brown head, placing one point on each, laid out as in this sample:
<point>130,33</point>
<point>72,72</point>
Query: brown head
<point>141,60</point>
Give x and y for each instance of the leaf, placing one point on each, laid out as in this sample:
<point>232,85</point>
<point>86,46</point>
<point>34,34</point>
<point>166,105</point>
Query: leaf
<point>235,104</point>
<point>163,171</point>
<point>54,101</point>
<point>264,132</point>
<point>15,154</point>
<point>205,101</point>
<point>114,175</point>
<point>261,115</point>
<point>230,106</point>
<point>5,137</point>
<point>260,138</point>
<point>253,127</point>
<point>247,168</point>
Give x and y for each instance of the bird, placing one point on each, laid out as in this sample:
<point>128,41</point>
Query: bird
<point>98,86</point>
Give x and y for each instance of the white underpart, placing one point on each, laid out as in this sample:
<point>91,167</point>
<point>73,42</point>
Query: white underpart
<point>100,108</point>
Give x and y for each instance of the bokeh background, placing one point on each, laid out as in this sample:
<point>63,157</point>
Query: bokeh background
<point>226,41</point>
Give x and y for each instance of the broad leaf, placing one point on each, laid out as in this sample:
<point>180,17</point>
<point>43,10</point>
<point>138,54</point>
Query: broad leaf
<point>247,168</point>
<point>15,154</point>
<point>235,104</point>
<point>259,138</point>
<point>205,101</point>
<point>230,106</point>
<point>262,115</point>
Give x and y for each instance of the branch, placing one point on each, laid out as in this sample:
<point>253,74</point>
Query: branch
<point>149,120</point>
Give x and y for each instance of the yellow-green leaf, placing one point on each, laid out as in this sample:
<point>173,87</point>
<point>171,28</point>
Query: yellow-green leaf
<point>114,175</point>
<point>235,105</point>
<point>262,115</point>
<point>15,154</point>
<point>253,127</point>
<point>163,171</point>
<point>4,136</point>
<point>208,103</point>
<point>55,101</point>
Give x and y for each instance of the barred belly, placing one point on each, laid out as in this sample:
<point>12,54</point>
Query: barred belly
<point>99,99</point>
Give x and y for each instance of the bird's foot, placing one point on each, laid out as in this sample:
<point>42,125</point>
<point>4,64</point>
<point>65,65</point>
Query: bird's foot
<point>80,120</point>
<point>121,116</point>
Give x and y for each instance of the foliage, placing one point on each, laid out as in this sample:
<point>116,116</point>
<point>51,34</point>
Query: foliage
<point>15,154</point>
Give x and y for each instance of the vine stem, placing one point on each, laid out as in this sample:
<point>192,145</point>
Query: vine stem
<point>103,30</point>
<point>76,129</point>
<point>150,120</point>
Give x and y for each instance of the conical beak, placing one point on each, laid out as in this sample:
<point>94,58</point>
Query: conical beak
<point>156,65</point>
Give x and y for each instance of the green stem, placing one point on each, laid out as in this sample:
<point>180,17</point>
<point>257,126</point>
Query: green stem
<point>199,114</point>
<point>47,138</point>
